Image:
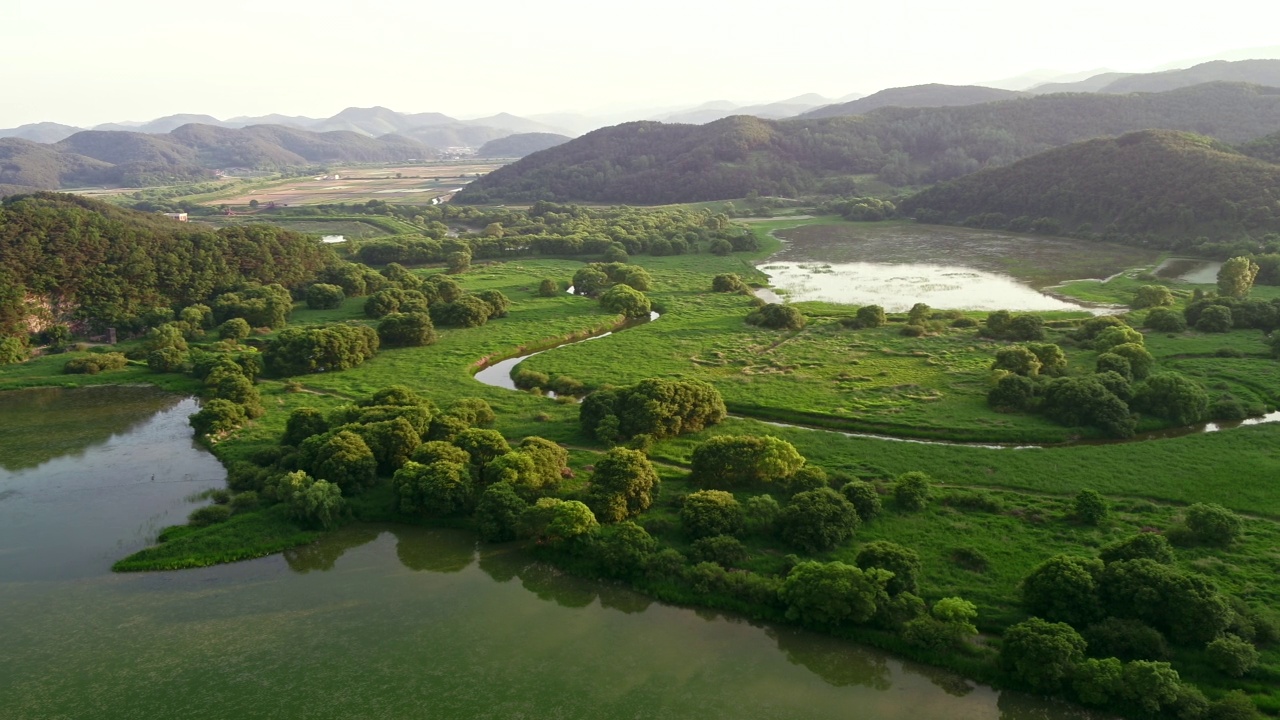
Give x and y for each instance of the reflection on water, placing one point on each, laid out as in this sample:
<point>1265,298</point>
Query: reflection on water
<point>1201,272</point>
<point>897,287</point>
<point>391,621</point>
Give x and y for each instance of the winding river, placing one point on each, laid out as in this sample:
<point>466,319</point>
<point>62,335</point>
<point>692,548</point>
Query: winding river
<point>372,621</point>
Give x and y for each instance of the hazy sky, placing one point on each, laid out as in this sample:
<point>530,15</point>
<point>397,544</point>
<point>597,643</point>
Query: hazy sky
<point>83,62</point>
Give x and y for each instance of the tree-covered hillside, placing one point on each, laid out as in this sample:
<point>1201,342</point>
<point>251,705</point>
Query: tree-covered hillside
<point>1148,183</point>
<point>68,258</point>
<point>521,144</point>
<point>647,162</point>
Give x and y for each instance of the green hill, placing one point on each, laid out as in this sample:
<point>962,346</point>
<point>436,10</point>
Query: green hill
<point>647,162</point>
<point>1264,148</point>
<point>1149,184</point>
<point>519,145</point>
<point>25,165</point>
<point>71,259</point>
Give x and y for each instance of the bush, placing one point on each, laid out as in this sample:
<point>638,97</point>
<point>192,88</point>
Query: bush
<point>626,301</point>
<point>217,416</point>
<point>313,502</point>
<point>1148,545</point>
<point>13,350</point>
<point>498,513</point>
<point>870,316</point>
<point>903,562</point>
<point>209,515</point>
<point>1090,507</point>
<point>465,312</point>
<point>864,498</point>
<point>727,282</point>
<point>707,513</point>
<point>95,364</point>
<point>166,360</point>
<point>740,460</point>
<point>1173,397</point>
<point>322,296</point>
<point>549,287</point>
<point>1149,296</point>
<point>724,550</point>
<point>1232,655</point>
<point>235,329</point>
<point>1214,319</point>
<point>1125,639</point>
<point>911,491</point>
<point>406,330</point>
<point>817,520</point>
<point>912,331</point>
<point>777,317</point>
<point>1165,320</point>
<point>1213,524</point>
<point>1041,654</point>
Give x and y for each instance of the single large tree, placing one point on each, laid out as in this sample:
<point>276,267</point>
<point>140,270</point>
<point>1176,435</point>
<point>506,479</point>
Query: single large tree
<point>1236,277</point>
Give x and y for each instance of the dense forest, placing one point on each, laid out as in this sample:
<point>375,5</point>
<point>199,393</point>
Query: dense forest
<point>190,152</point>
<point>66,258</point>
<point>1154,182</point>
<point>647,162</point>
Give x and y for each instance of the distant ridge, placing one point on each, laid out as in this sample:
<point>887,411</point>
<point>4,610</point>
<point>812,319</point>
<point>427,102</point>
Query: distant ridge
<point>932,95</point>
<point>1147,183</point>
<point>647,162</point>
<point>519,145</point>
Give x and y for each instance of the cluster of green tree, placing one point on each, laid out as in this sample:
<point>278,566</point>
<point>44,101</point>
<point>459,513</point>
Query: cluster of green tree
<point>550,229</point>
<point>321,348</point>
<point>1033,377</point>
<point>438,460</point>
<point>654,408</point>
<point>1160,187</point>
<point>69,259</point>
<point>425,302</point>
<point>864,209</point>
<point>652,163</point>
<point>188,153</point>
<point>1102,627</point>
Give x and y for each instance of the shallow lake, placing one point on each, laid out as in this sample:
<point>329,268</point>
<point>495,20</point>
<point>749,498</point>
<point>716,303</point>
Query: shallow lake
<point>897,265</point>
<point>372,622</point>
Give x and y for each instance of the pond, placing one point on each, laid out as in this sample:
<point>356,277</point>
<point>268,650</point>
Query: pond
<point>897,265</point>
<point>372,621</point>
<point>1189,270</point>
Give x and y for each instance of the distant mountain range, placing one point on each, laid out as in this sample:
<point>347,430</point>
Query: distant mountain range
<point>190,152</point>
<point>933,95</point>
<point>521,144</point>
<point>1258,72</point>
<point>647,162</point>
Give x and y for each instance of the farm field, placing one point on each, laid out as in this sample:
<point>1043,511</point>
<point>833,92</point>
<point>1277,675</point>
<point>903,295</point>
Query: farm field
<point>405,185</point>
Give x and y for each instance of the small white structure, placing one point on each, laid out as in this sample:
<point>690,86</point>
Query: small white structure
<point>179,216</point>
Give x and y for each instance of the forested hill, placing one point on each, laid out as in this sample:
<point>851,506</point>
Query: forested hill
<point>932,95</point>
<point>521,144</point>
<point>69,258</point>
<point>1146,184</point>
<point>645,162</point>
<point>1264,148</point>
<point>192,151</point>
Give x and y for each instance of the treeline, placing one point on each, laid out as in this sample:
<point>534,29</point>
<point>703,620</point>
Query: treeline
<point>67,259</point>
<point>1150,187</point>
<point>648,162</point>
<point>553,229</point>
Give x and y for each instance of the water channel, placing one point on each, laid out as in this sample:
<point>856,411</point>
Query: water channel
<point>371,622</point>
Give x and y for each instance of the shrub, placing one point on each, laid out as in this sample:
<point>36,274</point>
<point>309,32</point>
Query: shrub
<point>1126,639</point>
<point>911,491</point>
<point>1149,296</point>
<point>1165,320</point>
<point>626,301</point>
<point>209,515</point>
<point>738,460</point>
<point>707,513</point>
<point>1148,545</point>
<point>777,316</point>
<point>95,364</point>
<point>549,287</point>
<point>1090,507</point>
<point>322,296</point>
<point>498,513</point>
<point>217,416</point>
<point>406,330</point>
<point>724,550</point>
<point>912,331</point>
<point>817,520</point>
<point>1041,654</point>
<point>1214,319</point>
<point>727,282</point>
<point>1232,655</point>
<point>166,360</point>
<point>903,562</point>
<point>13,350</point>
<point>870,316</point>
<point>1173,397</point>
<point>313,502</point>
<point>1213,524</point>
